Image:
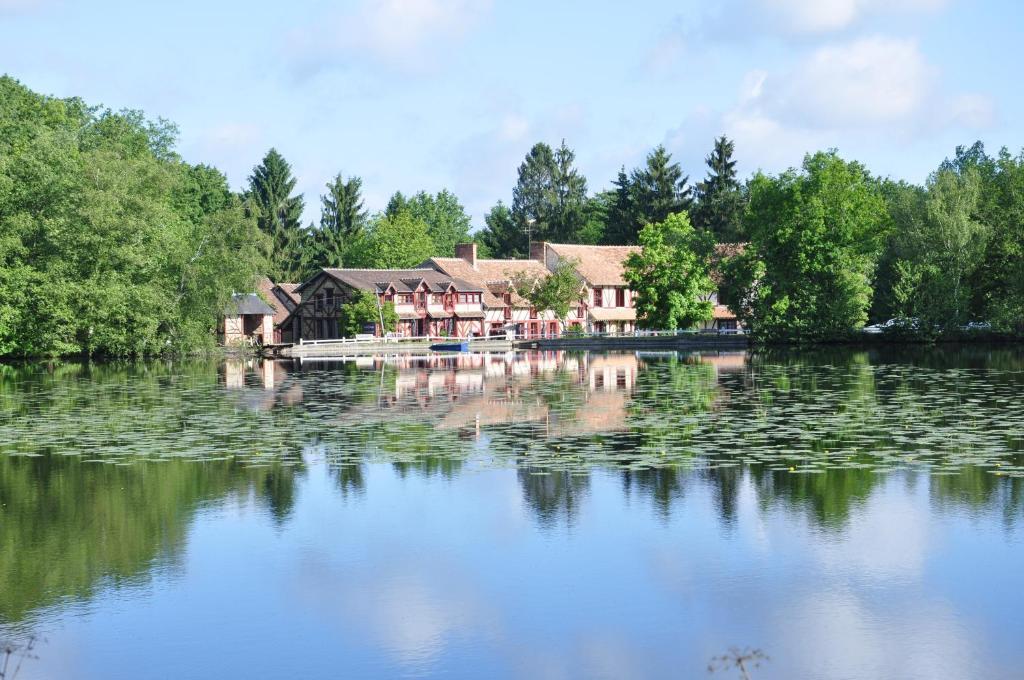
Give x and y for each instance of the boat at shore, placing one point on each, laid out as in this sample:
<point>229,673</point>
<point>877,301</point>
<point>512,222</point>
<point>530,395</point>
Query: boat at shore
<point>457,346</point>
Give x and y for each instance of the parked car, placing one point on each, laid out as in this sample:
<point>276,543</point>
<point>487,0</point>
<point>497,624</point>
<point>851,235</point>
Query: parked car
<point>876,328</point>
<point>901,323</point>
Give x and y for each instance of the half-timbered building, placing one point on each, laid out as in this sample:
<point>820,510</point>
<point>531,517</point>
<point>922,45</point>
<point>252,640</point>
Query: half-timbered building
<point>427,301</point>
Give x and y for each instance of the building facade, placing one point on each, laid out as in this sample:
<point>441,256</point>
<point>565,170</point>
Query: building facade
<point>606,303</point>
<point>427,301</point>
<point>505,310</point>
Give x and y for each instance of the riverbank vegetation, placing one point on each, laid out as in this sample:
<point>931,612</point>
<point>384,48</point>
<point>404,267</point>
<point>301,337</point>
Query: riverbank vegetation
<point>111,244</point>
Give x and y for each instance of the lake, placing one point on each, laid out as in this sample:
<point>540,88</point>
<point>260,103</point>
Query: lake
<point>849,514</point>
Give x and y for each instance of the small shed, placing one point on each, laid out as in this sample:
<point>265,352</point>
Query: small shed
<point>247,320</point>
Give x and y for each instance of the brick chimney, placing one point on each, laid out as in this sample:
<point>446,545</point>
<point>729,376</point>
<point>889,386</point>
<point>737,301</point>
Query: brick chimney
<point>467,252</point>
<point>537,249</point>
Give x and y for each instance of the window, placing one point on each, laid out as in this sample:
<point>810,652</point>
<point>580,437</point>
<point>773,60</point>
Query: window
<point>438,298</point>
<point>599,297</point>
<point>620,297</point>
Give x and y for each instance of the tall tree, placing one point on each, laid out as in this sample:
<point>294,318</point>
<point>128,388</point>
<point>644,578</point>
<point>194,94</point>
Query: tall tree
<point>109,243</point>
<point>942,252</point>
<point>502,237</point>
<point>720,200</point>
<point>550,195</point>
<point>621,228</point>
<point>671,274</point>
<point>342,220</point>
<point>394,242</point>
<point>815,237</point>
<point>446,219</point>
<point>660,188</point>
<point>396,204</point>
<point>278,213</point>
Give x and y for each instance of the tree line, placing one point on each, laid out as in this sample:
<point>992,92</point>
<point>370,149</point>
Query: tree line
<point>829,247</point>
<point>111,244</point>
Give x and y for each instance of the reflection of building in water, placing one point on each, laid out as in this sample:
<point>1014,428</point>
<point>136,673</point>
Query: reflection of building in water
<point>557,393</point>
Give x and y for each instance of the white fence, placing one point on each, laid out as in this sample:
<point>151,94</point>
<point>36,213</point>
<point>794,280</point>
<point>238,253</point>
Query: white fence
<point>398,340</point>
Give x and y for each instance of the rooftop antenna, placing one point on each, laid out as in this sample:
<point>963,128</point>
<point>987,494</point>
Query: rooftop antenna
<point>529,237</point>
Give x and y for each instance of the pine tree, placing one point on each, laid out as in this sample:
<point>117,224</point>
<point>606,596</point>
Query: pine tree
<point>342,220</point>
<point>550,196</point>
<point>621,227</point>
<point>278,213</point>
<point>396,204</point>
<point>660,188</point>
<point>502,237</point>
<point>720,199</point>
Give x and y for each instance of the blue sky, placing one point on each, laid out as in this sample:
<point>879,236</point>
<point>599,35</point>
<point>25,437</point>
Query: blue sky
<point>427,94</point>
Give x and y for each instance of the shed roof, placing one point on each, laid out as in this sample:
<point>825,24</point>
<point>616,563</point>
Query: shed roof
<point>248,303</point>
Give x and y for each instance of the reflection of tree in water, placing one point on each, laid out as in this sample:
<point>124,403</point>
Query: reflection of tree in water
<point>667,395</point>
<point>725,482</point>
<point>349,477</point>
<point>830,497</point>
<point>66,524</point>
<point>554,496</point>
<point>279,491</point>
<point>980,490</point>
<point>663,486</point>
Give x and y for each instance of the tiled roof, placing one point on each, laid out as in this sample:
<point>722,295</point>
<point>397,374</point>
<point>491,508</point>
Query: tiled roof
<point>403,280</point>
<point>598,265</point>
<point>491,275</point>
<point>612,313</point>
<point>281,297</point>
<point>722,312</point>
<point>289,290</point>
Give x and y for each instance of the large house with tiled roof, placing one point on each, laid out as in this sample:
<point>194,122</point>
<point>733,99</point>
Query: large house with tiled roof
<point>427,301</point>
<point>606,305</point>
<point>505,310</point>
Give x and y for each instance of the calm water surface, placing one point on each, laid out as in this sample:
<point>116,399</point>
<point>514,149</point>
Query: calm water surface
<point>852,514</point>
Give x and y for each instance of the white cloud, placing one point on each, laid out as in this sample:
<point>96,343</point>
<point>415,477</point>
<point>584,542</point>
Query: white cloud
<point>401,34</point>
<point>822,16</point>
<point>859,91</point>
<point>860,83</point>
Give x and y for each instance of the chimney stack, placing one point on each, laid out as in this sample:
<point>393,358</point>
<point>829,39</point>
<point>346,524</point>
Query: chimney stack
<point>467,252</point>
<point>537,249</point>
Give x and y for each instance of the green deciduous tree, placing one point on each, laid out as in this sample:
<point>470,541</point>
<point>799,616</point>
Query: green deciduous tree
<point>446,219</point>
<point>671,274</point>
<point>815,236</point>
<point>393,242</point>
<point>942,251</point>
<point>555,292</point>
<point>109,243</point>
<point>365,310</point>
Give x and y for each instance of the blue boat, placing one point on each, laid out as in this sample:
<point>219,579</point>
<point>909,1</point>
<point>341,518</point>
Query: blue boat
<point>462,346</point>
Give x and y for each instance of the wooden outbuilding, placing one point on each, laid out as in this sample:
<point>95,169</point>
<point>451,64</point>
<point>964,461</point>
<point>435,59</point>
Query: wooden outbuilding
<point>248,320</point>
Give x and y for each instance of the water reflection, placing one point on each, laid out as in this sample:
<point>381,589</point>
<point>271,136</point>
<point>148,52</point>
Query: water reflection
<point>104,469</point>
